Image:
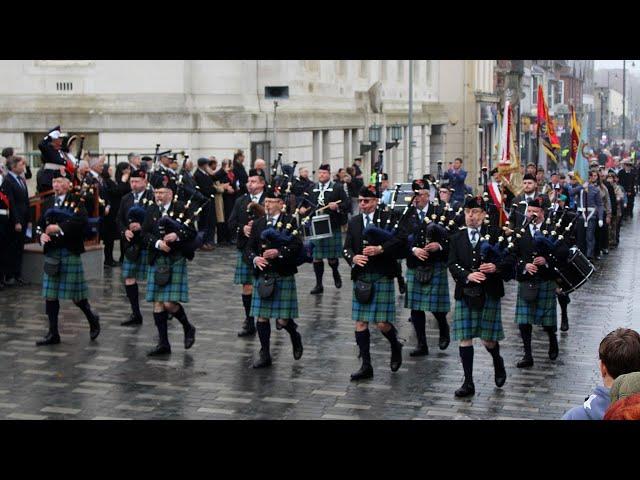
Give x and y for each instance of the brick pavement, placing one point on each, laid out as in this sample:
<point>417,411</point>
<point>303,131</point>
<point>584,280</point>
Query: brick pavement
<point>114,379</point>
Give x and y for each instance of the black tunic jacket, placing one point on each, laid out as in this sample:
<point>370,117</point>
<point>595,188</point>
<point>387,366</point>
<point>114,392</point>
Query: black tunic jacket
<point>73,228</point>
<point>285,264</point>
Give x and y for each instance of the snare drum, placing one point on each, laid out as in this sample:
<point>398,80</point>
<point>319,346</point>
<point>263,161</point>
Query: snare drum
<point>574,272</point>
<point>320,228</point>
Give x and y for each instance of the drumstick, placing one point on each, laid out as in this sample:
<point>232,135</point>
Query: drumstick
<point>326,206</point>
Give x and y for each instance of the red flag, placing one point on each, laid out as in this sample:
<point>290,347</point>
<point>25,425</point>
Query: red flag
<point>545,126</point>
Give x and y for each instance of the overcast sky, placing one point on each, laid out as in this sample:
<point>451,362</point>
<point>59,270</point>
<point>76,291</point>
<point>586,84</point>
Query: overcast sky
<point>617,64</point>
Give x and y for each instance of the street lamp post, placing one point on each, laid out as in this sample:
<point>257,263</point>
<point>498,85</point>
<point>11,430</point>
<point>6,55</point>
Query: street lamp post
<point>624,91</point>
<point>410,134</point>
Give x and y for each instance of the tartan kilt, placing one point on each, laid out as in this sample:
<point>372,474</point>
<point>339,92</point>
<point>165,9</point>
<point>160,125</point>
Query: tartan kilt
<point>430,297</point>
<point>471,323</point>
<point>282,304</point>
<point>543,311</point>
<point>328,247</point>
<point>382,307</point>
<point>244,274</point>
<point>138,269</point>
<point>177,290</point>
<point>69,283</point>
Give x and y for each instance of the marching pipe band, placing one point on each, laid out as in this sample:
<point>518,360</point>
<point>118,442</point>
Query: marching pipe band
<point>157,223</point>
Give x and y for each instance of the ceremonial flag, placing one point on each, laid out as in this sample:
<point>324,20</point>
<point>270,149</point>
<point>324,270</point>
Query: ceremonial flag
<point>575,139</point>
<point>581,169</point>
<point>547,138</point>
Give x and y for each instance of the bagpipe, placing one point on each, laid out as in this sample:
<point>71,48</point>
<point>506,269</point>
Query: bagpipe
<point>137,213</point>
<point>282,235</point>
<point>74,201</point>
<point>71,165</point>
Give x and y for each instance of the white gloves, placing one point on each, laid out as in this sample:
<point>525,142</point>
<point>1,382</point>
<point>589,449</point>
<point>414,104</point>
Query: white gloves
<point>600,223</point>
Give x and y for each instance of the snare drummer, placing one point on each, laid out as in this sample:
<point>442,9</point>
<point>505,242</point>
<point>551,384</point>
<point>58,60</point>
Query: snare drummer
<point>327,193</point>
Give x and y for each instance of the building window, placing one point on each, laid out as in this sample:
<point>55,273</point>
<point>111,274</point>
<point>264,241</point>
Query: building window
<point>559,93</point>
<point>364,68</point>
<point>428,73</point>
<point>341,68</point>
<point>312,66</point>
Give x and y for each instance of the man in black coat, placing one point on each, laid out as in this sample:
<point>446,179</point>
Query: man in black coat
<point>627,181</point>
<point>207,221</point>
<point>5,226</point>
<point>16,190</point>
<point>241,222</point>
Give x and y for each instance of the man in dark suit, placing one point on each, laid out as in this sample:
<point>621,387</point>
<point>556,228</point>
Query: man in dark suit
<point>207,222</point>
<point>240,224</point>
<point>16,188</point>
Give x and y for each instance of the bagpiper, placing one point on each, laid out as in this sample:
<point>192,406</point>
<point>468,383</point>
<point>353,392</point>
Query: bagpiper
<point>273,249</point>
<point>479,273</point>
<point>427,279</point>
<point>130,219</point>
<point>60,232</point>
<point>246,210</point>
<point>328,193</point>
<point>167,236</point>
<point>373,268</point>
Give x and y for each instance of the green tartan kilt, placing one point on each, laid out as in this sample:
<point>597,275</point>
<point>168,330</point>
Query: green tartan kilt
<point>542,311</point>
<point>430,297</point>
<point>282,304</point>
<point>138,269</point>
<point>382,307</point>
<point>244,274</point>
<point>471,323</point>
<point>177,290</point>
<point>328,247</point>
<point>69,283</point>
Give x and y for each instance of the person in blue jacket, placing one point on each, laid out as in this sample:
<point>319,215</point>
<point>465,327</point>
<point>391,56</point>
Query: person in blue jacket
<point>457,176</point>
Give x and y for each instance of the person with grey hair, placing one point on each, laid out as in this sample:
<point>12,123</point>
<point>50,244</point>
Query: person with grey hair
<point>261,166</point>
<point>99,174</point>
<point>135,161</point>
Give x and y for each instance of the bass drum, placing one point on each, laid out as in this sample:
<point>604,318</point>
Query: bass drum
<point>573,273</point>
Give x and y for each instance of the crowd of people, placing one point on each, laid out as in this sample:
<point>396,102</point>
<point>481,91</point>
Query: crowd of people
<point>161,212</point>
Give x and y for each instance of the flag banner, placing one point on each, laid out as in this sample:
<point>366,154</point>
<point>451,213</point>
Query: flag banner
<point>581,169</point>
<point>547,138</point>
<point>575,139</point>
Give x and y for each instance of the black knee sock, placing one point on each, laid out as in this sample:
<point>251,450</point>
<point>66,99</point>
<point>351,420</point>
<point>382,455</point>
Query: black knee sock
<point>551,333</point>
<point>333,263</point>
<point>291,326</point>
<point>181,316</point>
<point>160,319</point>
<point>52,308</point>
<point>133,296</point>
<point>495,353</point>
<point>86,308</point>
<point>264,333</point>
<point>318,268</point>
<point>443,326</point>
<point>419,320</point>
<point>108,251</point>
<point>466,354</point>
<point>391,336</point>
<point>525,332</point>
<point>363,339</point>
<point>246,303</point>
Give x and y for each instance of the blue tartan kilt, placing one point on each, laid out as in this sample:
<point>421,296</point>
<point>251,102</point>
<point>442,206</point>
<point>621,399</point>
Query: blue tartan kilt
<point>430,297</point>
<point>138,269</point>
<point>244,274</point>
<point>282,304</point>
<point>382,307</point>
<point>69,283</point>
<point>328,247</point>
<point>543,311</point>
<point>471,323</point>
<point>177,290</point>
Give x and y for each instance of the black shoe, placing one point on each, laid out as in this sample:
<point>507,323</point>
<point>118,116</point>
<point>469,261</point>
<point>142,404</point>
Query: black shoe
<point>317,289</point>
<point>133,321</point>
<point>527,361</point>
<point>466,390</point>
<point>553,348</point>
<point>94,327</point>
<point>159,350</point>
<point>396,357</point>
<point>50,339</point>
<point>248,329</point>
<point>402,286</point>
<point>500,373</point>
<point>263,361</point>
<point>110,263</point>
<point>366,371</point>
<point>189,337</point>
<point>564,325</point>
<point>296,343</point>
<point>444,341</point>
<point>337,279</point>
<point>420,351</point>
